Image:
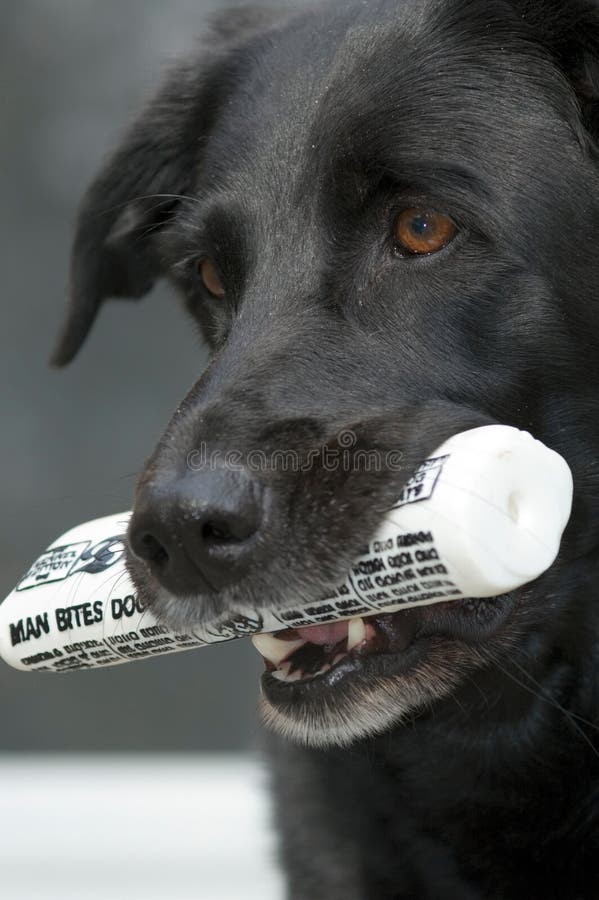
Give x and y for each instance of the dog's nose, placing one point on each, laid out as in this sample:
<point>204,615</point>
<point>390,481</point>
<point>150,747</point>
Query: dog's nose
<point>197,532</point>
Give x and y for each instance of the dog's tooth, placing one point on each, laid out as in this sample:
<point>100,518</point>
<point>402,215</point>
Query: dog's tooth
<point>356,633</point>
<point>273,648</point>
<point>295,676</point>
<point>282,673</point>
<point>324,670</point>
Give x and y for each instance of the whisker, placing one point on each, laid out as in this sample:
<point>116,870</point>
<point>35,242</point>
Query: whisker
<point>540,686</point>
<point>163,197</point>
<point>552,702</point>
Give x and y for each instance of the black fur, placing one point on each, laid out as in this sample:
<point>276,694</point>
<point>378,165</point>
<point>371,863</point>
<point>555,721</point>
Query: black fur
<point>285,152</point>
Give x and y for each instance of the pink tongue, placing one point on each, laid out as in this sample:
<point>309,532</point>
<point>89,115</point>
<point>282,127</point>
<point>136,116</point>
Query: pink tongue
<point>324,634</point>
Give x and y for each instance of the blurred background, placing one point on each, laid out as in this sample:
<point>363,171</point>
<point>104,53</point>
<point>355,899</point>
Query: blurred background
<point>73,73</point>
<point>125,773</point>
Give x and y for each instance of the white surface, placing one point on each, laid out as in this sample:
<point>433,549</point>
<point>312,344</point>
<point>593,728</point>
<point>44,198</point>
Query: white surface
<point>135,828</point>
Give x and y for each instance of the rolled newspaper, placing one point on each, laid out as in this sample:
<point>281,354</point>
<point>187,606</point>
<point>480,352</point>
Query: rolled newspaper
<point>482,516</point>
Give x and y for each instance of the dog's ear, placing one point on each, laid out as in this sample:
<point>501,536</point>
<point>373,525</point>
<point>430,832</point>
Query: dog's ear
<point>135,193</point>
<point>115,252</point>
<point>569,30</point>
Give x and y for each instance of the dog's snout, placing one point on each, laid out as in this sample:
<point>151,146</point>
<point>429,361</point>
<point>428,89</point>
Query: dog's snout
<point>197,532</point>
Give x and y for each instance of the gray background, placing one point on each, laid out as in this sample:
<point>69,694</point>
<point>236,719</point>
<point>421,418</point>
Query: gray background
<point>72,73</point>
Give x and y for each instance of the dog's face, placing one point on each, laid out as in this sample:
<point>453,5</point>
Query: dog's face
<point>384,218</point>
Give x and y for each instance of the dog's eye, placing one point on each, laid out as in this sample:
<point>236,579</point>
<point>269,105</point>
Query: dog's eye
<point>421,231</point>
<point>211,279</point>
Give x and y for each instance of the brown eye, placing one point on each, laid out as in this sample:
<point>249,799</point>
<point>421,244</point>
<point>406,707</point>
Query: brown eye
<point>421,231</point>
<point>211,278</point>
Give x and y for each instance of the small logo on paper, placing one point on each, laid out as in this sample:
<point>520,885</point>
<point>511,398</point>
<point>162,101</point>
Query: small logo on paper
<point>58,563</point>
<point>422,483</point>
<point>238,626</point>
<point>101,557</point>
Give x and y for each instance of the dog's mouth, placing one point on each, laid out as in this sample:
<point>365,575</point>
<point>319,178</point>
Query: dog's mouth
<point>331,684</point>
<point>305,664</point>
<point>305,654</point>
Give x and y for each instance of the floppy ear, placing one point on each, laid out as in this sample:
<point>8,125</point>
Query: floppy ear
<point>136,193</point>
<point>569,30</point>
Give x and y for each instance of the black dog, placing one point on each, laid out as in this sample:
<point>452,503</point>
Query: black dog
<point>385,217</point>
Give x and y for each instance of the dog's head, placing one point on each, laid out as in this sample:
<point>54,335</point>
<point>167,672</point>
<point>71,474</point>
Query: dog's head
<point>384,217</point>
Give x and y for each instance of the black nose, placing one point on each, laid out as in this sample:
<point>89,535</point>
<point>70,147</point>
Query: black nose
<point>197,532</point>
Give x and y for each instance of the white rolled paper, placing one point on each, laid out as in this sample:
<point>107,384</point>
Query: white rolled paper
<point>481,517</point>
